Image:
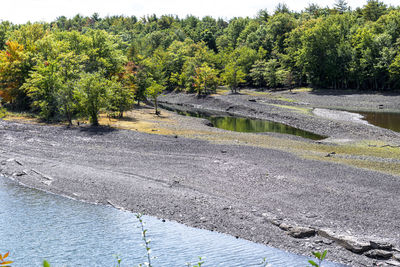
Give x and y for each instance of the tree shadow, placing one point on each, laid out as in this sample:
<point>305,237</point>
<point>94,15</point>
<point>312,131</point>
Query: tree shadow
<point>97,130</point>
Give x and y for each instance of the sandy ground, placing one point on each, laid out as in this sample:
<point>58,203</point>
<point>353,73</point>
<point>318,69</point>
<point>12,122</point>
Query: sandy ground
<point>263,187</point>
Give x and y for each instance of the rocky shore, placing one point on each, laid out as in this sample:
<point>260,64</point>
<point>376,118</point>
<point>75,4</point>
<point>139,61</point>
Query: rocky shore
<point>264,194</point>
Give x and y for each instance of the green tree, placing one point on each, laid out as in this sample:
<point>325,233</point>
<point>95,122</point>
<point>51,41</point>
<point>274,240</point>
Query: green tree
<point>373,10</point>
<point>92,93</point>
<point>121,97</point>
<point>257,73</point>
<point>153,91</point>
<point>233,76</point>
<point>205,79</point>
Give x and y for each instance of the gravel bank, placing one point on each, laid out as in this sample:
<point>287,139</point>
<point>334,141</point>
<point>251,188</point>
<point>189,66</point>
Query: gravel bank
<point>263,195</point>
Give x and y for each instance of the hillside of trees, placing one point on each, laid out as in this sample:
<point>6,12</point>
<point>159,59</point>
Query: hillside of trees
<point>82,65</point>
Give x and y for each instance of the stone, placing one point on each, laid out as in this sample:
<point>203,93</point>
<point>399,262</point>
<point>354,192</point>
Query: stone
<point>348,242</point>
<point>393,262</point>
<point>396,256</point>
<point>301,232</point>
<point>379,254</point>
<point>297,231</point>
<point>377,244</point>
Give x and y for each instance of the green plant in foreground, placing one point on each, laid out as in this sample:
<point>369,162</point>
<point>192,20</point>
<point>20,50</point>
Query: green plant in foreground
<point>320,256</point>
<point>198,264</point>
<point>145,240</point>
<point>3,261</point>
<point>118,258</point>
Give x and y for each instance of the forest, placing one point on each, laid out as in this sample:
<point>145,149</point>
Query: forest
<point>80,66</point>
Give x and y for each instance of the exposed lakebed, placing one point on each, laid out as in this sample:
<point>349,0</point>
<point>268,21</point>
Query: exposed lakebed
<point>36,225</point>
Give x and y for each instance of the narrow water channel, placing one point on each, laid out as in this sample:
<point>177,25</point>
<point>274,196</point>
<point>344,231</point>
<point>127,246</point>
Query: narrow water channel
<point>35,225</point>
<point>246,125</point>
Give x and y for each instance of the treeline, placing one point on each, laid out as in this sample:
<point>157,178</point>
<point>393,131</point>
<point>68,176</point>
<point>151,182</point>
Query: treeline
<point>82,65</point>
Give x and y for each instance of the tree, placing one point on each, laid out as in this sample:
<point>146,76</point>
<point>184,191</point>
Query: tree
<point>281,8</point>
<point>341,6</point>
<point>270,74</point>
<point>257,73</point>
<point>373,10</point>
<point>153,91</point>
<point>42,86</point>
<point>233,76</point>
<point>121,97</point>
<point>205,79</point>
<point>92,95</point>
<point>14,69</point>
<point>71,67</point>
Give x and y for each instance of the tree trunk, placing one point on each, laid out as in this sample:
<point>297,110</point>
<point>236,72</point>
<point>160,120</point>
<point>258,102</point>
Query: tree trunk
<point>156,106</point>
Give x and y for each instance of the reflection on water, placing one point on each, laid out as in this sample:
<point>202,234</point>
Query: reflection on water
<point>240,124</point>
<point>383,119</point>
<point>35,225</point>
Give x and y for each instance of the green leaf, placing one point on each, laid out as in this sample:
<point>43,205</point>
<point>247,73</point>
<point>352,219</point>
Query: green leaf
<point>317,255</point>
<point>324,254</point>
<point>313,263</point>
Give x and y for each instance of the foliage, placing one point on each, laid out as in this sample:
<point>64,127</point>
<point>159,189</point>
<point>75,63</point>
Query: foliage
<point>14,69</point>
<point>146,241</point>
<point>205,79</point>
<point>3,261</point>
<point>3,112</point>
<point>91,93</point>
<point>320,256</point>
<point>199,263</point>
<point>233,76</point>
<point>153,91</point>
<point>42,64</point>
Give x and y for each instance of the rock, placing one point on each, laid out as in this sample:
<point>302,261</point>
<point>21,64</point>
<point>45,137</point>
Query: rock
<point>377,244</point>
<point>330,154</point>
<point>297,231</point>
<point>224,151</point>
<point>324,241</point>
<point>301,232</point>
<point>379,254</point>
<point>393,262</point>
<point>396,256</point>
<point>348,242</point>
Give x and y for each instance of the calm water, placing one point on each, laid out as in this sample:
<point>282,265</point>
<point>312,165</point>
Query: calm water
<point>240,124</point>
<point>35,225</point>
<point>383,119</point>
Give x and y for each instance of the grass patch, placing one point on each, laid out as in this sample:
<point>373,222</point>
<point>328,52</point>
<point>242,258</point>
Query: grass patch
<point>307,111</point>
<point>284,99</point>
<point>302,89</point>
<point>3,113</point>
<point>254,93</point>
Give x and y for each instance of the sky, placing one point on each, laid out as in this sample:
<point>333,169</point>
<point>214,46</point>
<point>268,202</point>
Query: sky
<point>22,11</point>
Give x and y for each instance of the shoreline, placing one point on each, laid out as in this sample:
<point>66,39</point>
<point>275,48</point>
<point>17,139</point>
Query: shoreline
<point>265,195</point>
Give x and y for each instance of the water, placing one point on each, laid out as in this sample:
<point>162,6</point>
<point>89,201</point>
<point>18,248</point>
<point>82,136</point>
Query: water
<point>35,225</point>
<point>383,119</point>
<point>240,124</point>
